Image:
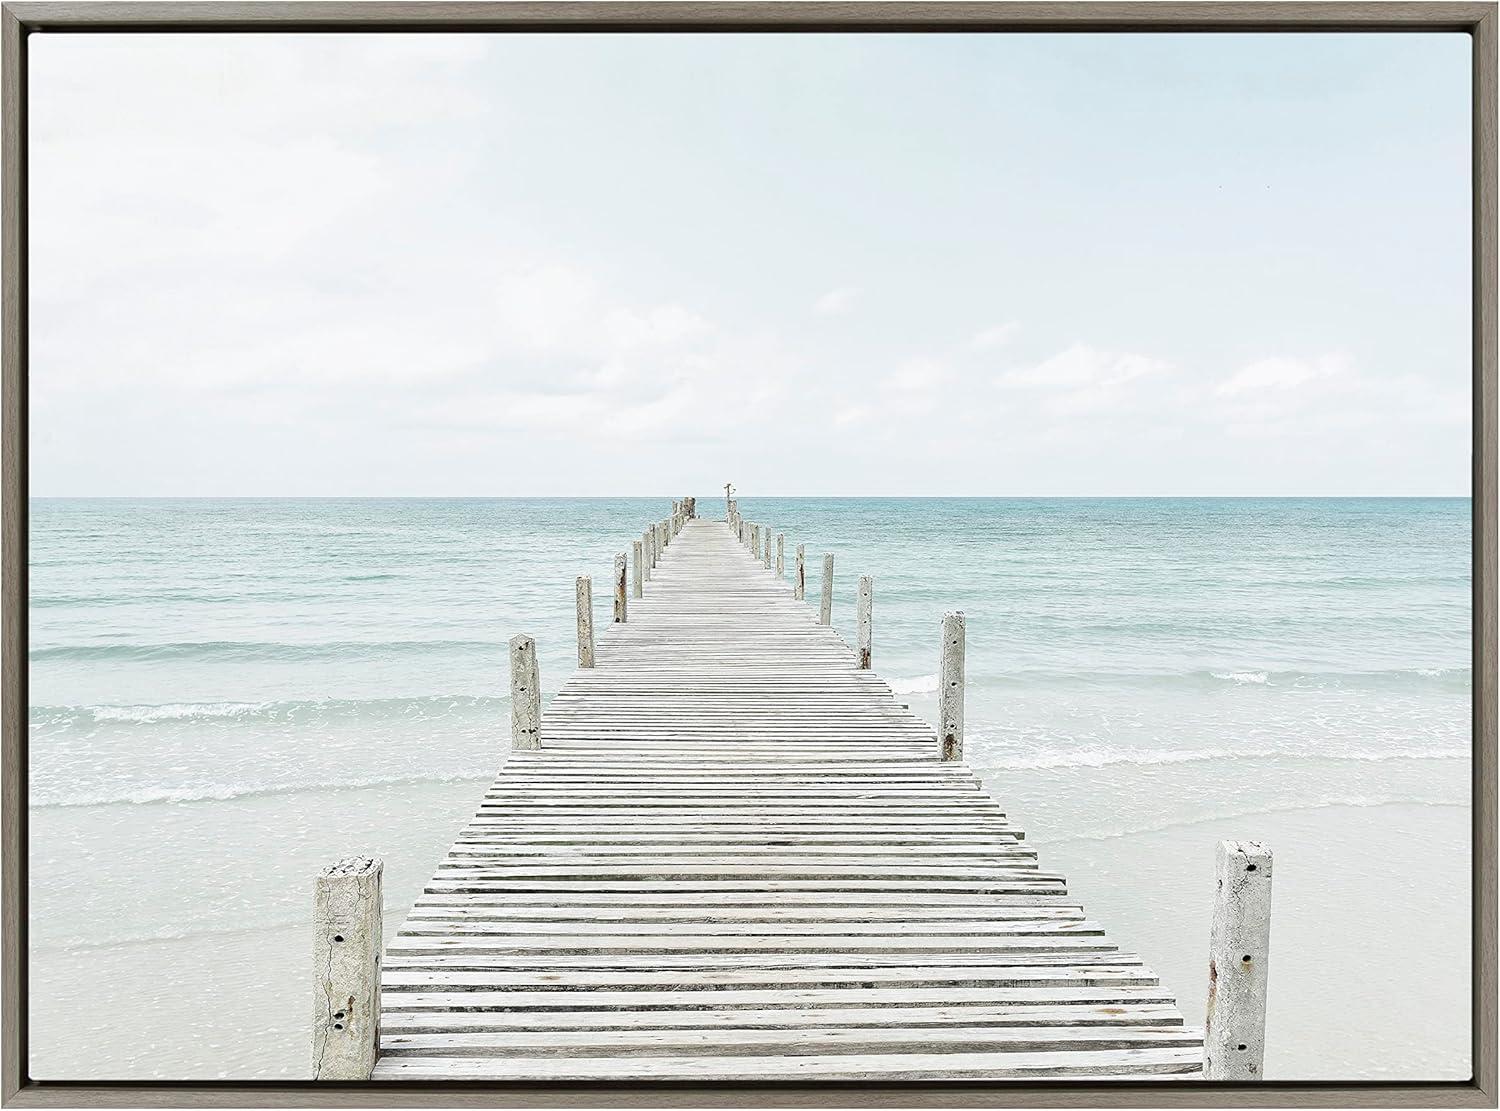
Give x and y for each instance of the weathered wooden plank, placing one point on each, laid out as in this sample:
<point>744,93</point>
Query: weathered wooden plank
<point>1094,1064</point>
<point>798,1041</point>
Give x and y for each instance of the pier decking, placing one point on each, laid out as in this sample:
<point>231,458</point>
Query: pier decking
<point>736,856</point>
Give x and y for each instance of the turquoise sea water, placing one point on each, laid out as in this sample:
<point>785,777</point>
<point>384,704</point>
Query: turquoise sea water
<point>226,692</point>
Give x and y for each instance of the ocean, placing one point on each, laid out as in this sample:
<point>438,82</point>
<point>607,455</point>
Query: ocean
<point>226,694</point>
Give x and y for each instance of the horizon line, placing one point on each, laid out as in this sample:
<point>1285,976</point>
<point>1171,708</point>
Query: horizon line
<point>763,497</point>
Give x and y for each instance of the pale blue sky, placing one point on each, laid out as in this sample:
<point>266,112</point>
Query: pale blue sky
<point>1005,264</point>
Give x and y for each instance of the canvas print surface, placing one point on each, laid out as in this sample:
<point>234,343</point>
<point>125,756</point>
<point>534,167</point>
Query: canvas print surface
<point>749,557</point>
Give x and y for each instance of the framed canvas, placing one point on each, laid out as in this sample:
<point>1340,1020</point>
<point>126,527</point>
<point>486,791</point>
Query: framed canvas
<point>773,554</point>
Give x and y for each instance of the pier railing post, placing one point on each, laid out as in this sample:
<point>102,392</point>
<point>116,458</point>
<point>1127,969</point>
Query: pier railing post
<point>866,619</point>
<point>620,562</point>
<point>781,555</point>
<point>755,541</point>
<point>638,579</point>
<point>584,590</point>
<point>525,694</point>
<point>825,606</point>
<point>346,961</point>
<point>1234,1035</point>
<point>951,689</point>
<point>768,548</point>
<point>799,581</point>
<point>650,556</point>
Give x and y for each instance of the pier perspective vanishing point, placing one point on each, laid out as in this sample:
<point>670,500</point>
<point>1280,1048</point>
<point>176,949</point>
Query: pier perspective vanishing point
<point>725,851</point>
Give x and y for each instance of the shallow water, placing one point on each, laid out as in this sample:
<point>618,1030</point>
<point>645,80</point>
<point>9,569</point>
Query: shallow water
<point>226,693</point>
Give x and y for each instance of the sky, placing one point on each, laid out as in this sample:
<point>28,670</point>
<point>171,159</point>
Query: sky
<point>491,265</point>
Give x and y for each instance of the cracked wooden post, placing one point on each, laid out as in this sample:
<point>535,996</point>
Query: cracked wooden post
<point>584,591</point>
<point>768,548</point>
<point>649,557</point>
<point>346,969</point>
<point>755,541</point>
<point>781,555</point>
<point>637,585</point>
<point>951,689</point>
<point>866,619</point>
<point>525,694</point>
<point>825,606</point>
<point>799,581</point>
<point>620,610</point>
<point>1234,1035</point>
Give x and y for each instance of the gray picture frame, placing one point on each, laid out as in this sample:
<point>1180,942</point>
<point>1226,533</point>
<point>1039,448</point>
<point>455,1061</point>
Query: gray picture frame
<point>22,19</point>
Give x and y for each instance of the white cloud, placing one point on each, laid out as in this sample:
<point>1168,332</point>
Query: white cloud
<point>997,336</point>
<point>916,376</point>
<point>1287,398</point>
<point>836,301</point>
<point>1282,374</point>
<point>1081,365</point>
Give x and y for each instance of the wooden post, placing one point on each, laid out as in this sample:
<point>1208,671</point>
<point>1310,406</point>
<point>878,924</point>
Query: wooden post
<point>866,619</point>
<point>781,555</point>
<point>620,562</point>
<point>755,541</point>
<point>648,558</point>
<point>525,694</point>
<point>637,585</point>
<point>799,582</point>
<point>1234,1035</point>
<point>768,548</point>
<point>825,607</point>
<point>346,969</point>
<point>584,591</point>
<point>951,689</point>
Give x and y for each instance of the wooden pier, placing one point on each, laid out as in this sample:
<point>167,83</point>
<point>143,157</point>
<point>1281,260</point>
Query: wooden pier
<point>726,852</point>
